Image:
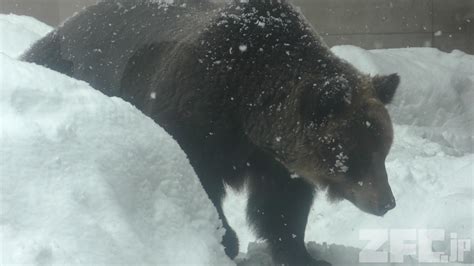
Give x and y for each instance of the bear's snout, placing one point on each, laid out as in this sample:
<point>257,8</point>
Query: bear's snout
<point>374,198</point>
<point>385,205</point>
<point>382,200</point>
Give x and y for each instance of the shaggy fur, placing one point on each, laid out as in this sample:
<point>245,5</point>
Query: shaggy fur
<point>250,92</point>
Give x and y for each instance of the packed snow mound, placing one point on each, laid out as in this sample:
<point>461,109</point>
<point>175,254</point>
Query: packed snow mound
<point>339,255</point>
<point>435,93</point>
<point>88,179</point>
<point>19,32</point>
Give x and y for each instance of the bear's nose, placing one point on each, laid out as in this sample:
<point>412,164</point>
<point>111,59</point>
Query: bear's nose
<point>388,205</point>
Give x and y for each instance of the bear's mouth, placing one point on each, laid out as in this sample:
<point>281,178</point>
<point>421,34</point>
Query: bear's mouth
<point>372,201</point>
<point>365,197</point>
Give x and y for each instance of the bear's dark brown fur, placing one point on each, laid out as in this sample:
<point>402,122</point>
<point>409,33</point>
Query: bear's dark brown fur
<point>250,92</point>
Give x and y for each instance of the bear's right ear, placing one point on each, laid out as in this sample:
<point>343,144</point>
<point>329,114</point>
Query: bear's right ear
<point>386,86</point>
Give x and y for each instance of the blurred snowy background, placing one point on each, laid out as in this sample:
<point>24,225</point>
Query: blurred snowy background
<point>87,179</point>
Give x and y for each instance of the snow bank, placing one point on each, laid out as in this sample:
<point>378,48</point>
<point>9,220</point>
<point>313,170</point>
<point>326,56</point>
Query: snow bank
<point>339,255</point>
<point>88,179</point>
<point>435,94</point>
<point>19,32</point>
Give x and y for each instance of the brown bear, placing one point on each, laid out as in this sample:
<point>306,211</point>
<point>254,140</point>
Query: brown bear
<point>251,94</point>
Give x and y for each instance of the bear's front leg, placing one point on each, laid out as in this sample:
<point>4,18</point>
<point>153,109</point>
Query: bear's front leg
<point>278,209</point>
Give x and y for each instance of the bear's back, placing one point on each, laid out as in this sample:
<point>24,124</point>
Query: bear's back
<point>96,44</point>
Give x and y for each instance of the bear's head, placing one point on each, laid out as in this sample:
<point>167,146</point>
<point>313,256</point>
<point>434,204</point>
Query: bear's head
<point>322,119</point>
<point>345,134</point>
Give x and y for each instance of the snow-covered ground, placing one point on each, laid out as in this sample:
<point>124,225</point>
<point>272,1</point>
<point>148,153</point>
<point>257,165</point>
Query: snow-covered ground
<point>88,179</point>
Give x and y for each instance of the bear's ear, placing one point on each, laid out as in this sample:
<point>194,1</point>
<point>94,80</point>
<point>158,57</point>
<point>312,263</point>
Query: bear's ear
<point>386,86</point>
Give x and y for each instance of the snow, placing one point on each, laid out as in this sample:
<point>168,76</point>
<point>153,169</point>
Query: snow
<point>435,94</point>
<point>88,179</point>
<point>19,32</point>
<point>243,48</point>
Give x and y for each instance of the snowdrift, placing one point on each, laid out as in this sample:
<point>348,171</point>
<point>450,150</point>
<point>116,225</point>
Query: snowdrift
<point>435,94</point>
<point>88,179</point>
<point>19,32</point>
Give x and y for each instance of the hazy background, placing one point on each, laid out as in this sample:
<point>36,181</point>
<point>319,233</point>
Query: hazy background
<point>444,24</point>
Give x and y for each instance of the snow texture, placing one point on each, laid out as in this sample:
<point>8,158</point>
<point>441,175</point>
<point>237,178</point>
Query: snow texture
<point>19,32</point>
<point>338,255</point>
<point>435,94</point>
<point>88,179</point>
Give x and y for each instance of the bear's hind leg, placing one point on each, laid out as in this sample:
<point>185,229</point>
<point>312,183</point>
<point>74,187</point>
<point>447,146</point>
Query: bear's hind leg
<point>278,209</point>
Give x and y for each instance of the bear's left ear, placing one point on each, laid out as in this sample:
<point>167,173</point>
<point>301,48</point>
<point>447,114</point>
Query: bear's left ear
<point>386,86</point>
